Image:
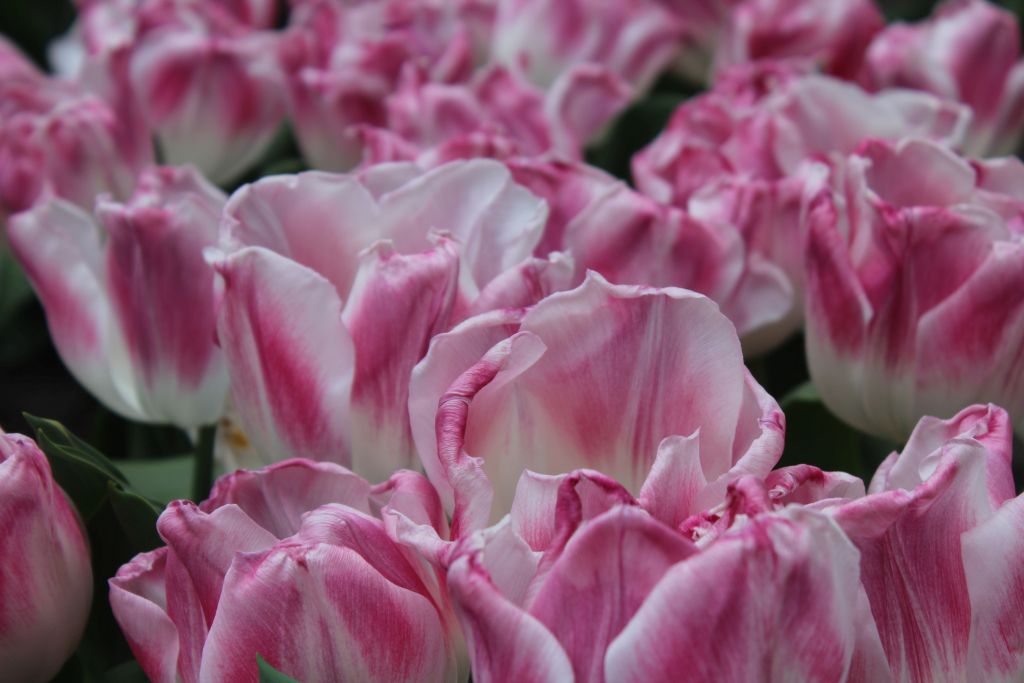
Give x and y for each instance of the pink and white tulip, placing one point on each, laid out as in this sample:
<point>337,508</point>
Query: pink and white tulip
<point>334,286</point>
<point>613,594</point>
<point>129,297</point>
<point>832,33</point>
<point>496,114</point>
<point>748,154</point>
<point>968,51</point>
<point>343,62</point>
<point>195,75</point>
<point>45,571</point>
<point>57,139</point>
<point>938,536</point>
<point>633,39</point>
<point>914,284</point>
<point>614,378</point>
<point>301,563</point>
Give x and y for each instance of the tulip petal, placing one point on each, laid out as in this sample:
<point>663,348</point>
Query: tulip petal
<point>278,496</point>
<point>162,290</point>
<point>505,643</point>
<point>139,600</point>
<point>476,201</point>
<point>396,305</point>
<point>351,623</point>
<point>289,355</point>
<point>770,601</point>
<point>450,354</point>
<point>600,580</point>
<point>910,562</point>
<point>992,554</point>
<point>59,247</point>
<point>320,220</point>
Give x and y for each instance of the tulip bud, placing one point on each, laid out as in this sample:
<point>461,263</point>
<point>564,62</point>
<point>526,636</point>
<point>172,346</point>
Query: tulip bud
<point>129,297</point>
<point>301,563</point>
<point>914,289</point>
<point>45,572</point>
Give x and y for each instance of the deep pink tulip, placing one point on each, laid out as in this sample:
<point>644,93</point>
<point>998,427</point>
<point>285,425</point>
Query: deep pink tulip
<point>748,154</point>
<point>832,33</point>
<point>914,287</point>
<point>45,572</point>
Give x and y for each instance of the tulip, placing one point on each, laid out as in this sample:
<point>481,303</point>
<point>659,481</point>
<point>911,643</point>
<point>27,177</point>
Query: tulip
<point>968,51</point>
<point>634,39</point>
<point>57,139</point>
<point>616,595</point>
<point>748,154</point>
<point>913,288</point>
<point>210,92</point>
<point>196,75</point>
<point>129,297</point>
<point>630,239</point>
<point>343,62</point>
<point>938,536</point>
<point>334,286</point>
<point>45,572</point>
<point>301,563</point>
<point>833,33</point>
<point>497,114</point>
<point>611,377</point>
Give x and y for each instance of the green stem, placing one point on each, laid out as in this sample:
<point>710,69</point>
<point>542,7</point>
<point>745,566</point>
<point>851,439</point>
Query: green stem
<point>202,472</point>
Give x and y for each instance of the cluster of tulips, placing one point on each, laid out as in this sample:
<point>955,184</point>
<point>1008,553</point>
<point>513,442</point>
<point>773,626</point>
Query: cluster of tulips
<point>483,409</point>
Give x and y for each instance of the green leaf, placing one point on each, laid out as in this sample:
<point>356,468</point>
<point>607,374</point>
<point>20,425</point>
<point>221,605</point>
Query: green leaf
<point>81,470</point>
<point>269,674</point>
<point>162,480</point>
<point>91,480</point>
<point>814,436</point>
<point>136,515</point>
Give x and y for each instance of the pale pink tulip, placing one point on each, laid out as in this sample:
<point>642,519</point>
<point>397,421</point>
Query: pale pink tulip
<point>301,564</point>
<point>612,377</point>
<point>129,297</point>
<point>938,536</point>
<point>335,284</point>
<point>968,51</point>
<point>344,61</point>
